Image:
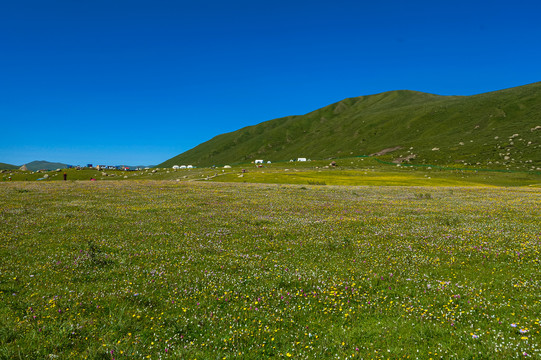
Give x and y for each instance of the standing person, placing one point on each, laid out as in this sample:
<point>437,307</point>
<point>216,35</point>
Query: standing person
<point>65,176</point>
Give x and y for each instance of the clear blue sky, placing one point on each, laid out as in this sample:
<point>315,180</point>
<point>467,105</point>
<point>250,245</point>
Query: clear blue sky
<point>138,82</point>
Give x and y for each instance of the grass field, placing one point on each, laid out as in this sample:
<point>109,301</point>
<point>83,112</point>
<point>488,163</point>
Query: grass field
<point>357,171</point>
<point>166,269</point>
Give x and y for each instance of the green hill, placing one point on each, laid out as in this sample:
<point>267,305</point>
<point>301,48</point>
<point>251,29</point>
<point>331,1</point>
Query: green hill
<point>4,166</point>
<point>500,129</point>
<point>44,165</point>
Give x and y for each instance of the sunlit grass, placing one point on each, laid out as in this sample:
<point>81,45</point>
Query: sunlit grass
<point>161,269</point>
<point>356,171</point>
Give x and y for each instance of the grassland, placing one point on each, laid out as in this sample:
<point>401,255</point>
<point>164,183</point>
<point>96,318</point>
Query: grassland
<point>357,171</point>
<point>193,269</point>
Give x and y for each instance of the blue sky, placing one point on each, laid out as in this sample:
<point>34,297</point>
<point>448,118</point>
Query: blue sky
<point>138,82</point>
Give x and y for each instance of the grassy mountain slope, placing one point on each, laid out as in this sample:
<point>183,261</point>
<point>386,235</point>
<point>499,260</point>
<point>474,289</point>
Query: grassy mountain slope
<point>4,166</point>
<point>44,165</point>
<point>477,129</point>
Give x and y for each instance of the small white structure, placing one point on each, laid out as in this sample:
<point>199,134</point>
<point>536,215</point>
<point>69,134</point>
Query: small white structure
<point>182,167</point>
<point>258,161</point>
<point>189,167</point>
<point>176,167</point>
<point>227,166</point>
<point>268,162</point>
<point>301,159</point>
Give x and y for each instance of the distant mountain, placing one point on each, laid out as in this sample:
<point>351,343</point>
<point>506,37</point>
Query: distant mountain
<point>4,166</point>
<point>44,165</point>
<point>497,129</point>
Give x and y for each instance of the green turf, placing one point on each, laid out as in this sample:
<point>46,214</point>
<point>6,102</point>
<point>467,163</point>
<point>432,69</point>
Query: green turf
<point>184,270</point>
<point>349,171</point>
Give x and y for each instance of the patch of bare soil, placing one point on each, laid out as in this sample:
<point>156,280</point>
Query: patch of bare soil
<point>386,151</point>
<point>400,160</point>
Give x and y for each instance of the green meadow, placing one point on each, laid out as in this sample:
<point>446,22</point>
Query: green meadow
<point>355,171</point>
<point>193,265</point>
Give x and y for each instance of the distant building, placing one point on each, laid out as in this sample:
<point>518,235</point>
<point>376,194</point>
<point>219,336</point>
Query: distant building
<point>176,167</point>
<point>301,159</point>
<point>258,161</point>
